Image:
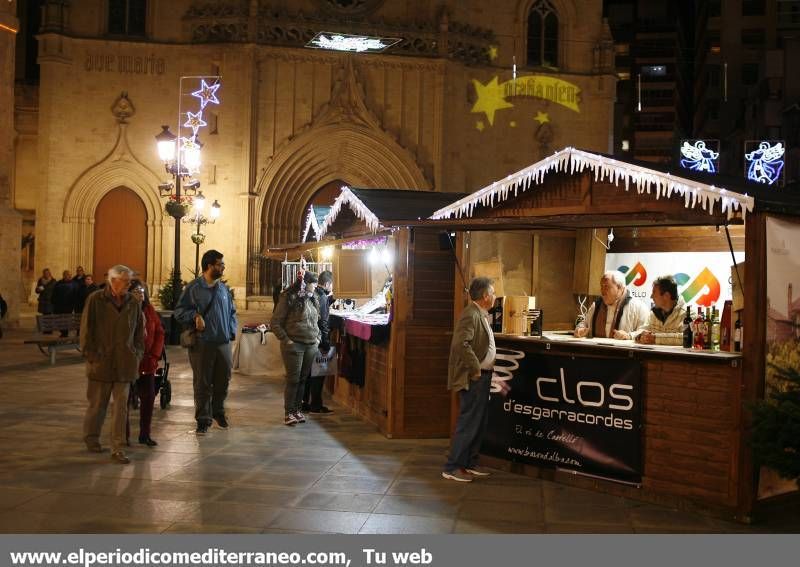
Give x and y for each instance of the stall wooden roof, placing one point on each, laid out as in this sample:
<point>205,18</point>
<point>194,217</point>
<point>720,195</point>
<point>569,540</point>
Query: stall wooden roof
<point>314,218</point>
<point>357,212</point>
<point>579,189</point>
<point>379,207</point>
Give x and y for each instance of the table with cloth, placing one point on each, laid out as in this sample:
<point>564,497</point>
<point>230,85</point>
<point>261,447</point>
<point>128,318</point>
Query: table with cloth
<point>258,353</point>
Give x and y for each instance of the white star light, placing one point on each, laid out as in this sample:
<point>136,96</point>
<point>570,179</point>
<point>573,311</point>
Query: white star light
<point>195,121</point>
<point>207,93</point>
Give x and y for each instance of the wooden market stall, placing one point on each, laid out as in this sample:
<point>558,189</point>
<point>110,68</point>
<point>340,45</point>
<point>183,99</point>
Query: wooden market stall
<point>664,424</point>
<point>402,387</point>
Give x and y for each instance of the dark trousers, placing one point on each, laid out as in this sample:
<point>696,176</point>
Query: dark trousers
<point>473,418</point>
<point>211,366</point>
<point>297,359</point>
<point>313,392</point>
<point>147,397</point>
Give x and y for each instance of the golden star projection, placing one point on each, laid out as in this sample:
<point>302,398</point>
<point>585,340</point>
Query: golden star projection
<point>490,99</point>
<point>492,52</point>
<point>479,126</point>
<point>492,96</point>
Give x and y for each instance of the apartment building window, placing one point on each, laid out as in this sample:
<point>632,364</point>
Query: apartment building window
<point>654,70</point>
<point>542,35</point>
<point>749,73</point>
<point>753,7</point>
<point>788,12</point>
<point>714,75</point>
<point>127,17</point>
<point>714,8</point>
<point>753,39</point>
<point>714,42</point>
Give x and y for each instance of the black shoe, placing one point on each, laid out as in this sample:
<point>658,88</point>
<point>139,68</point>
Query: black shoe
<point>202,429</point>
<point>119,457</point>
<point>305,407</point>
<point>147,441</point>
<point>221,421</point>
<point>322,409</point>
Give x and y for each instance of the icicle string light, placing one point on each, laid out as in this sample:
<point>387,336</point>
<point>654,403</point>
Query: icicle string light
<point>346,197</point>
<point>604,168</point>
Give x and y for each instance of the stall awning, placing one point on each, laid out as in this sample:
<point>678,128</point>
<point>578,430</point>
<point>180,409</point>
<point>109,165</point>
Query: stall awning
<point>649,182</point>
<point>378,208</point>
<point>314,218</point>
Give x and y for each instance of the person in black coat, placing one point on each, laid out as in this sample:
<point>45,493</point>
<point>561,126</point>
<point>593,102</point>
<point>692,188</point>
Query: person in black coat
<point>312,397</point>
<point>65,296</point>
<point>84,291</point>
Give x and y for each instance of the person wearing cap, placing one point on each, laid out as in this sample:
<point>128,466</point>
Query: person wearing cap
<point>295,323</point>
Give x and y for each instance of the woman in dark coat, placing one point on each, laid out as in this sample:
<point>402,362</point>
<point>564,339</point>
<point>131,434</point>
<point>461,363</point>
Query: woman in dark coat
<point>153,347</point>
<point>44,289</point>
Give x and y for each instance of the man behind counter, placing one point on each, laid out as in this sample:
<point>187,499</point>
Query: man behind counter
<point>667,315</point>
<point>615,314</point>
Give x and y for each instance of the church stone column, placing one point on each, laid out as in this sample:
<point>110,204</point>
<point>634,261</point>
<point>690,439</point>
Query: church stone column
<point>10,219</point>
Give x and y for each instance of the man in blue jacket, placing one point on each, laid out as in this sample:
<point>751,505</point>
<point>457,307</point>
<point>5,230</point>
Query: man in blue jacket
<point>207,306</point>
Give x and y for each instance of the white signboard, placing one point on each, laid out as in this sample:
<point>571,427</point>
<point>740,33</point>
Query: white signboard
<point>704,278</point>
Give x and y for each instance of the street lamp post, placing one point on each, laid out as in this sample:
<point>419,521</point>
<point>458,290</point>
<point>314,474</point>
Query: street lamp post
<point>179,163</point>
<point>181,157</point>
<point>199,219</point>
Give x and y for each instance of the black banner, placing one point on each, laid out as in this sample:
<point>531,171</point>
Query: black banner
<point>576,413</point>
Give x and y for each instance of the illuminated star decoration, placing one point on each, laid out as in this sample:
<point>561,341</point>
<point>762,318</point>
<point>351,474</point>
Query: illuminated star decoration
<point>765,164</point>
<point>195,121</point>
<point>542,117</point>
<point>492,52</point>
<point>490,99</point>
<point>207,93</point>
<point>698,157</point>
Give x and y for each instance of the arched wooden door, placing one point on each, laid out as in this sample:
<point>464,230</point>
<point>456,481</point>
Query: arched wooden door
<point>120,233</point>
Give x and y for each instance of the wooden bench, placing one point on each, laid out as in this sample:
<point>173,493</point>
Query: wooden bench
<point>56,323</point>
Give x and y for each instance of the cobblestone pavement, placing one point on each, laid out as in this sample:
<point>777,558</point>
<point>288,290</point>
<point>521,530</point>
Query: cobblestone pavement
<point>334,473</point>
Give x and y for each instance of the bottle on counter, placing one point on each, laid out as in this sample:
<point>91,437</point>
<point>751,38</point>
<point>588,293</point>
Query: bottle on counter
<point>687,328</point>
<point>737,335</point>
<point>725,339</point>
<point>715,329</point>
<point>707,335</point>
<point>699,329</point>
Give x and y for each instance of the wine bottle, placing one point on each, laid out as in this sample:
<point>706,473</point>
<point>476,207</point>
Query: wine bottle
<point>699,331</point>
<point>707,336</point>
<point>715,329</point>
<point>687,328</point>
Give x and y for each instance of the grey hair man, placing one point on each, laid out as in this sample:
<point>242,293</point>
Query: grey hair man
<point>615,314</point>
<point>112,341</point>
<point>472,353</point>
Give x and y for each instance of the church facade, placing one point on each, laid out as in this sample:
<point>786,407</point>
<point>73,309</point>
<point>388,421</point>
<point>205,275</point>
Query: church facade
<point>472,92</point>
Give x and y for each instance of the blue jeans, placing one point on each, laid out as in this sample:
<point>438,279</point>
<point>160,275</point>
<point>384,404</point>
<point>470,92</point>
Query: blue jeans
<point>473,418</point>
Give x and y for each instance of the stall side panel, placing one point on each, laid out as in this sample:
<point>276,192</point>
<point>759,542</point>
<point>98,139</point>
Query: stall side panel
<point>692,419</point>
<point>426,401</point>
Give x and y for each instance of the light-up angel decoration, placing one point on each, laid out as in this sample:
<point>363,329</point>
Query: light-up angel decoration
<point>765,164</point>
<point>698,157</point>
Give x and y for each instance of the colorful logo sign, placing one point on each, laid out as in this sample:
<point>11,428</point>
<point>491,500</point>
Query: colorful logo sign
<point>700,275</point>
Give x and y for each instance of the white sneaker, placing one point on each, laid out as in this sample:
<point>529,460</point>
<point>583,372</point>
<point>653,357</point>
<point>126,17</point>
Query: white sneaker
<point>477,471</point>
<point>458,475</point>
<point>290,419</point>
<point>299,417</point>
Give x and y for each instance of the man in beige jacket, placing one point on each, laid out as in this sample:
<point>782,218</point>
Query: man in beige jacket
<point>472,353</point>
<point>112,340</point>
